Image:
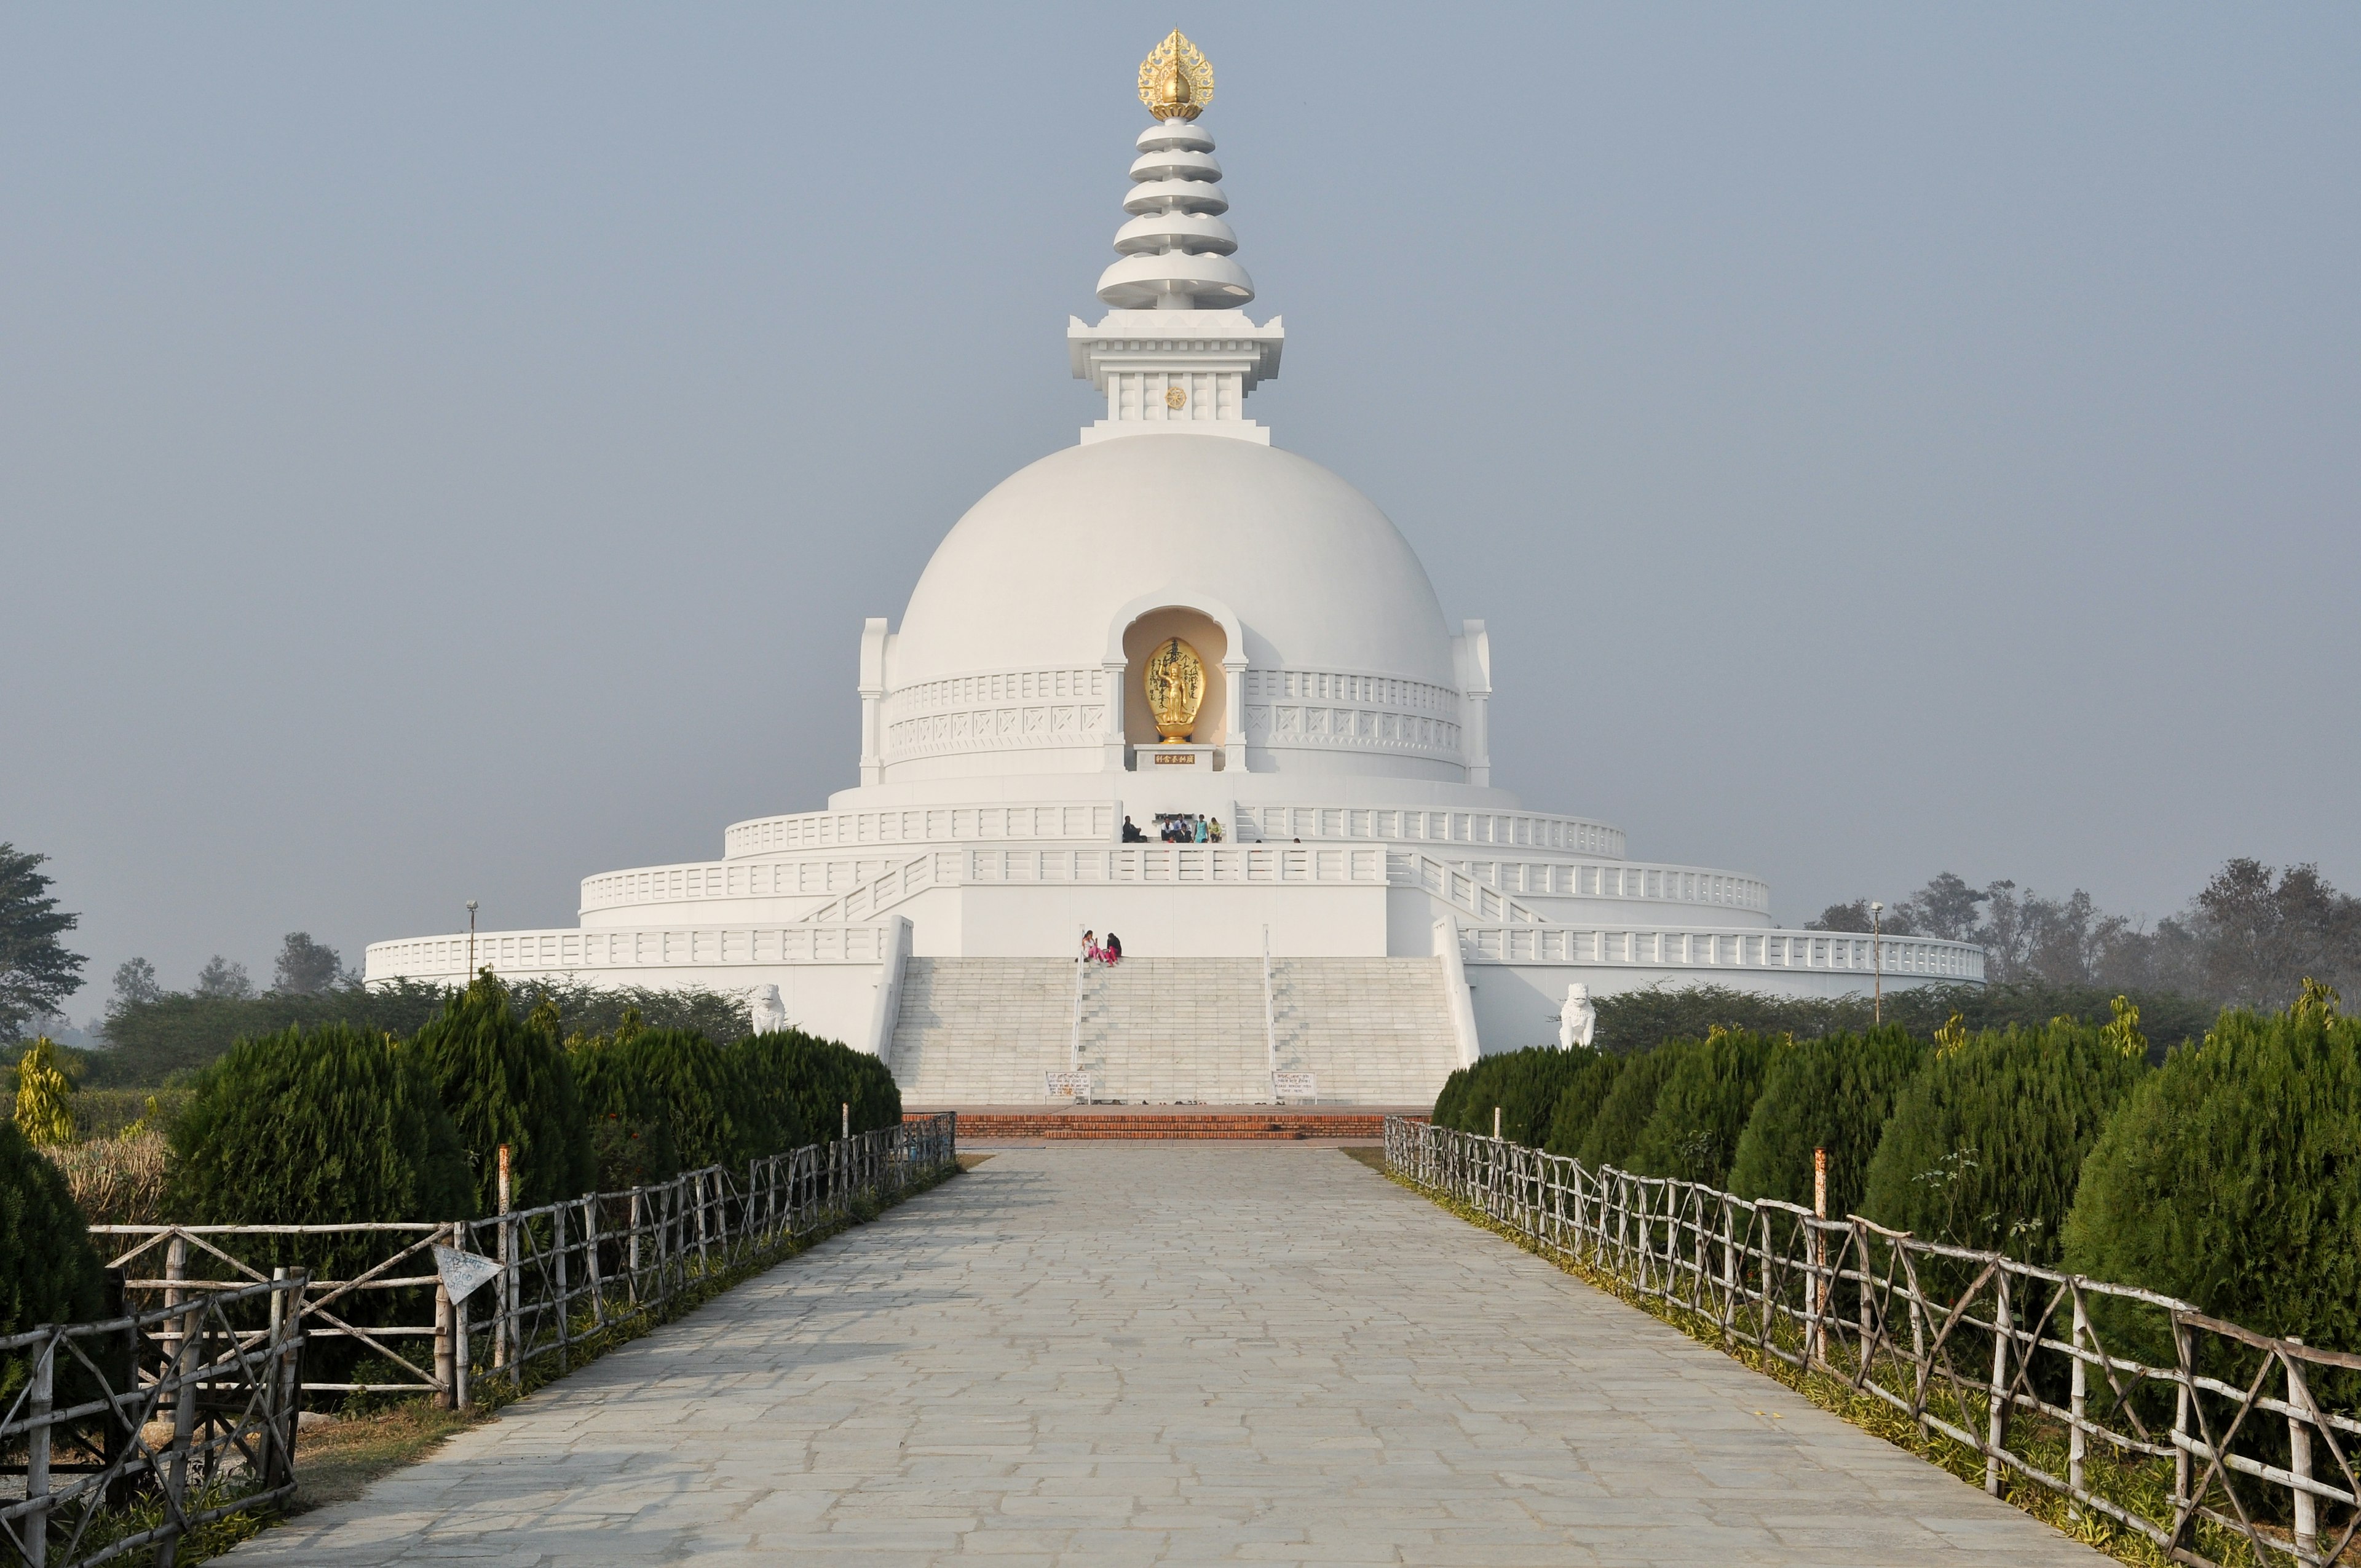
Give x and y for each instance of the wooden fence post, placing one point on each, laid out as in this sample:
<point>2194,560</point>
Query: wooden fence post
<point>2183,1419</point>
<point>1815,1343</point>
<point>504,1315</point>
<point>1996,1418</point>
<point>2307,1507</point>
<point>40,1401</point>
<point>2078,1440</point>
<point>446,1353</point>
<point>565,1296</point>
<point>631,1245</point>
<point>590,1255</point>
<point>462,1357</point>
<point>189,1353</point>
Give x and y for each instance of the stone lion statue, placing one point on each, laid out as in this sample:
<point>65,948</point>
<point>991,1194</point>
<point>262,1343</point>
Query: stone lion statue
<point>1577,1020</point>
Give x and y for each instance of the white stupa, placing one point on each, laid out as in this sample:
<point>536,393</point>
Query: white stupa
<point>1292,684</point>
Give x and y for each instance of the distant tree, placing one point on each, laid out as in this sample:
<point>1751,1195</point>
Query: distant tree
<point>134,982</point>
<point>2265,932</point>
<point>1858,917</point>
<point>1945,907</point>
<point>305,968</point>
<point>36,971</point>
<point>223,981</point>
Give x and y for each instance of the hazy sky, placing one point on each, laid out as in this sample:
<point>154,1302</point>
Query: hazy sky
<point>448,450</point>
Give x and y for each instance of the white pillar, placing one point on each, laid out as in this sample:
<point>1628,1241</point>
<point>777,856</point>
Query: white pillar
<point>1234,719</point>
<point>1115,747</point>
<point>873,700</point>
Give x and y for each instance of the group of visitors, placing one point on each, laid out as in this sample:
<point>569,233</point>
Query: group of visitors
<point>1110,952</point>
<point>1177,828</point>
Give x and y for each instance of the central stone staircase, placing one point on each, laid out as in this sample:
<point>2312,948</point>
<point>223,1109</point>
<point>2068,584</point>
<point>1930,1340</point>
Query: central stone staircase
<point>1171,1031</point>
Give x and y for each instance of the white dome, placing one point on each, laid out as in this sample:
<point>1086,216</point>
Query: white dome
<point>1036,573</point>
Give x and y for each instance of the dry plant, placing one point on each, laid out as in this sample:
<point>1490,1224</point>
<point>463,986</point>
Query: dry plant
<point>117,1180</point>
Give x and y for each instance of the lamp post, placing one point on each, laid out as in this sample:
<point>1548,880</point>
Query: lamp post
<point>1877,959</point>
<point>471,942</point>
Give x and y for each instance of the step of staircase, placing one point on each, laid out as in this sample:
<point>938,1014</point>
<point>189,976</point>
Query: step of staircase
<point>985,1032</point>
<point>987,1125</point>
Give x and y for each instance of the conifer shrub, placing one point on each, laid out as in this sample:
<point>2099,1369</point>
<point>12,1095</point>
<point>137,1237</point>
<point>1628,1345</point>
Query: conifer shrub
<point>506,1081</point>
<point>328,1126</point>
<point>1624,1113</point>
<point>317,1128</point>
<point>1702,1108</point>
<point>1578,1104</point>
<point>1986,1142</point>
<point>2231,1177</point>
<point>1834,1093</point>
<point>677,1089</point>
<point>804,1083</point>
<point>1523,1084</point>
<point>50,1272</point>
<point>1451,1100</point>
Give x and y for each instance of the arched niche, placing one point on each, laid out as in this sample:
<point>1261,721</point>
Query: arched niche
<point>1145,634</point>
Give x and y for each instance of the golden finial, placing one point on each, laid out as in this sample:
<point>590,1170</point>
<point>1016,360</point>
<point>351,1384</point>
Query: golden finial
<point>1176,80</point>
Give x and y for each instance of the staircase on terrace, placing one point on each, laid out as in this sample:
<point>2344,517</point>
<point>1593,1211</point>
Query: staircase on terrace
<point>1171,1031</point>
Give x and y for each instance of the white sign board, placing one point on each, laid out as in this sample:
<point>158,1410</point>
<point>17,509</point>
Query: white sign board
<point>462,1272</point>
<point>1066,1085</point>
<point>1295,1086</point>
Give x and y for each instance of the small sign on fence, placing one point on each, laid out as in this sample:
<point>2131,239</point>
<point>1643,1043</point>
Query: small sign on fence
<point>1294,1086</point>
<point>463,1272</point>
<point>1075,1086</point>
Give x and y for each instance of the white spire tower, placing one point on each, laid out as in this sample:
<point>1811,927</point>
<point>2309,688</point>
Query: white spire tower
<point>1175,353</point>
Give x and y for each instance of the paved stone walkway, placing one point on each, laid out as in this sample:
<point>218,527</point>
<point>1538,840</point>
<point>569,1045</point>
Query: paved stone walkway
<point>1168,1354</point>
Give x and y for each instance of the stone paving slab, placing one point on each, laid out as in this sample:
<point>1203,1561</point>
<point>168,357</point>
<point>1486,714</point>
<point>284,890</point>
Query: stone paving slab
<point>1168,1354</point>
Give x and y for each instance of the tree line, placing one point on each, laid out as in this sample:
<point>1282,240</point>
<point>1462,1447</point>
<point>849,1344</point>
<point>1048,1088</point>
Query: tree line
<point>2247,939</point>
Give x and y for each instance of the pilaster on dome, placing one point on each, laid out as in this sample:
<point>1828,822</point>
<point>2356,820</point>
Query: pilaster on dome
<point>1176,352</point>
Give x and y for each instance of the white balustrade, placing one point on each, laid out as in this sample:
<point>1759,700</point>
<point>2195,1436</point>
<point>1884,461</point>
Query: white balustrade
<point>1907,957</point>
<point>1522,828</point>
<point>515,953</point>
<point>918,824</point>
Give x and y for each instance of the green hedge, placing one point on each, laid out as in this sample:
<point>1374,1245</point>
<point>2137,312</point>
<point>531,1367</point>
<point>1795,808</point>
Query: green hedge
<point>49,1273</point>
<point>2231,1177</point>
<point>1986,1144</point>
<point>316,1129</point>
<point>799,1084</point>
<point>1579,1103</point>
<point>1641,1020</point>
<point>1701,1111</point>
<point>1624,1114</point>
<point>1524,1085</point>
<point>1835,1093</point>
<point>505,1080</point>
<point>677,1091</point>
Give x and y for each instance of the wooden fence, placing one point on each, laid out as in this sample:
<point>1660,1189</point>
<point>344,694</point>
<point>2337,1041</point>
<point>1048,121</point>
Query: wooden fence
<point>557,1272</point>
<point>2218,1444</point>
<point>188,1406</point>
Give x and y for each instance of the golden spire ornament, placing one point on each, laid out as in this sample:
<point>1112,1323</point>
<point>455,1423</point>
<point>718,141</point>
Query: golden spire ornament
<point>1176,80</point>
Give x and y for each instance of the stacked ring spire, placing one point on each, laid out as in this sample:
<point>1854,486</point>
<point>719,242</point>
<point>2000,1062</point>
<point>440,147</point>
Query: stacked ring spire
<point>1175,250</point>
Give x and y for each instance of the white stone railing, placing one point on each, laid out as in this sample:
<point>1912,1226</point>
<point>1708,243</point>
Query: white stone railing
<point>514,953</point>
<point>1522,828</point>
<point>918,824</point>
<point>1701,947</point>
<point>1622,879</point>
<point>697,879</point>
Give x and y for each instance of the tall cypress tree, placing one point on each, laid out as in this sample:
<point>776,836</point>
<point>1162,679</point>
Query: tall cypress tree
<point>507,1080</point>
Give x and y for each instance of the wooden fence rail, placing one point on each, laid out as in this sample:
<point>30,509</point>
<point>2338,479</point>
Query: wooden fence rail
<point>188,1407</point>
<point>559,1271</point>
<point>2227,1445</point>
